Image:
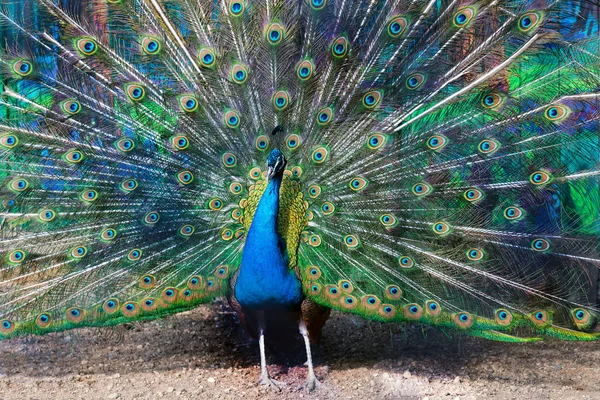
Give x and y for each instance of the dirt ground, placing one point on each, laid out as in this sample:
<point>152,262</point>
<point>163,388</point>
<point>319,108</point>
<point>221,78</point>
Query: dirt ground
<point>205,354</point>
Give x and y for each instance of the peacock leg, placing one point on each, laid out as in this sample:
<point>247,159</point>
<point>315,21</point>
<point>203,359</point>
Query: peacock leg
<point>311,381</point>
<point>265,379</point>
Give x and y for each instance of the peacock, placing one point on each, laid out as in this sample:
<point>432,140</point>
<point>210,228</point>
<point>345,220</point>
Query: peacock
<point>430,161</point>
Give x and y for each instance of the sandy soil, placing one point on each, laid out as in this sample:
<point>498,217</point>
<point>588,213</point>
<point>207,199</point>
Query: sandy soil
<point>204,354</point>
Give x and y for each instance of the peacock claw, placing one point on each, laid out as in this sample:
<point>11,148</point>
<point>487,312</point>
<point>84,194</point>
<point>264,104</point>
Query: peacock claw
<point>269,383</point>
<point>312,383</point>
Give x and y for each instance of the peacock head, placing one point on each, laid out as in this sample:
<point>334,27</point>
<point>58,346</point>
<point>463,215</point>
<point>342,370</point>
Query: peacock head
<point>275,164</point>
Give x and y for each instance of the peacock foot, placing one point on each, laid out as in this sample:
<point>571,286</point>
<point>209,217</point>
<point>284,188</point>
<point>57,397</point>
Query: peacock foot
<point>312,383</point>
<point>268,383</point>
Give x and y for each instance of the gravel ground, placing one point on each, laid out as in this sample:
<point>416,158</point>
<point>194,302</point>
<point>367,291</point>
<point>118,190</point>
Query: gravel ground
<point>204,354</point>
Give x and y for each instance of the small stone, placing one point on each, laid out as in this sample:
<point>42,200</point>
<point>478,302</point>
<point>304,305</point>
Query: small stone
<point>116,376</point>
<point>406,374</point>
<point>211,380</point>
<point>385,375</point>
<point>114,396</point>
<point>170,389</point>
<point>84,362</point>
<point>457,379</point>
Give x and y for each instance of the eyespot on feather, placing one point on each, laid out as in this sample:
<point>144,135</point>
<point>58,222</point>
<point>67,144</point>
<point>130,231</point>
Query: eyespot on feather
<point>488,146</point>
<point>7,326</point>
<point>261,143</point>
<point>413,311</point>
<point>148,304</point>
<point>8,140</point>
<point>503,317</point>
<point>540,318</point>
<point>231,119</point>
<point>108,234</point>
<point>333,292</point>
<point>376,141</point>
<point>239,73</point>
<point>46,215</point>
<point>179,142</point>
<point>130,309</point>
<point>441,228</point>
<point>229,160</point>
<point>195,282</point>
<point>227,234</point>
<point>357,184</point>
<point>78,252</point>
<point>319,155</point>
<point>346,286</point>
<point>305,70</point>
<point>406,262</point>
<point>43,320</point>
<point>463,17</point>
<point>293,141</point>
<point>432,308</point>
<point>86,46</point>
<point>73,156</point>
<point>473,195</point>
<point>236,7</point>
<point>128,185</point>
<point>397,26</point>
<point>393,292</point>
<point>415,81</point>
<point>18,185</point>
<point>317,5</point>
<point>422,189</point>
<point>370,302</point>
<point>134,255</point>
<point>89,195</point>
<point>492,100</point>
<point>22,68</point>
<point>327,208</point>
<point>475,254</point>
<point>540,178</point>
<point>340,47</point>
<point>463,320</point>
<point>540,245</point>
<point>313,273</point>
<point>151,218</point>
<point>111,306</point>
<point>324,116</point>
<point>387,311</point>
<point>314,240</point>
<point>135,91</point>
<point>75,315</point>
<point>185,177</point>
<point>125,145</point>
<point>147,281</point>
<point>16,256</point>
<point>186,230</point>
<point>70,106</point>
<point>437,142</point>
<point>188,103</point>
<point>529,21</point>
<point>275,33</point>
<point>169,294</point>
<point>372,99</point>
<point>556,113</point>
<point>388,220</point>
<point>207,57</point>
<point>150,45</point>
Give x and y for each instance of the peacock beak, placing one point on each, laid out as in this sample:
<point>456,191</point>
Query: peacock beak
<point>270,173</point>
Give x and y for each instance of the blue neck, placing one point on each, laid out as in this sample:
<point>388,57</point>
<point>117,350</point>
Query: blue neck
<point>265,279</point>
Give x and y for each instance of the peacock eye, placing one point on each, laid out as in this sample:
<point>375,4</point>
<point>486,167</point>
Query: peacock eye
<point>70,106</point>
<point>150,45</point>
<point>540,245</point>
<point>513,213</point>
<point>371,99</point>
<point>492,100</point>
<point>135,91</point>
<point>22,68</point>
<point>464,16</point>
<point>475,254</point>
<point>236,7</point>
<point>87,46</point>
<point>229,160</point>
<point>473,195</point>
<point>207,57</point>
<point>422,189</point>
<point>324,116</point>
<point>188,103</point>
<point>317,4</point>
<point>415,81</point>
<point>239,73</point>
<point>441,228</point>
<point>529,21</point>
<point>540,178</point>
<point>556,113</point>
<point>339,47</point>
<point>397,26</point>
<point>488,146</point>
<point>275,33</point>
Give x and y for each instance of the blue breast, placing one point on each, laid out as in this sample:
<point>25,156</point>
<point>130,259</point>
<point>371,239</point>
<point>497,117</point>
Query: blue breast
<point>265,280</point>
